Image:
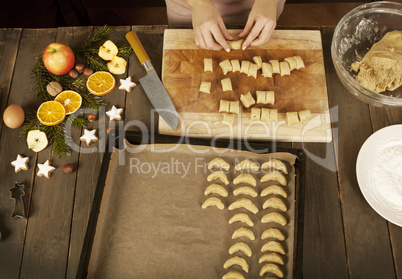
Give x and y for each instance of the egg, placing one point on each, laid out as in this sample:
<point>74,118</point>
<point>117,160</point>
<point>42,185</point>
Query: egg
<point>13,116</point>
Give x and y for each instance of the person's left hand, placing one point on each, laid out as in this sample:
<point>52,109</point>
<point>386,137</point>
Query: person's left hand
<point>260,23</point>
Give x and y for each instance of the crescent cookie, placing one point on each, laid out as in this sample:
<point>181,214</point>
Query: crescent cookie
<point>273,233</point>
<point>241,217</point>
<point>247,165</point>
<point>233,274</point>
<point>245,190</point>
<point>245,178</point>
<point>273,268</point>
<point>271,257</point>
<point>275,164</point>
<point>274,217</point>
<point>274,175</point>
<point>236,44</point>
<point>226,66</point>
<point>240,246</point>
<point>275,190</point>
<point>213,201</point>
<point>273,246</point>
<point>276,203</point>
<point>243,231</point>
<point>218,175</point>
<point>218,163</point>
<point>244,203</point>
<point>216,189</point>
<point>236,260</point>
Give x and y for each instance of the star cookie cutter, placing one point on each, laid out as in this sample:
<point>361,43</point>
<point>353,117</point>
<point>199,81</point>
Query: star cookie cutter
<point>17,192</point>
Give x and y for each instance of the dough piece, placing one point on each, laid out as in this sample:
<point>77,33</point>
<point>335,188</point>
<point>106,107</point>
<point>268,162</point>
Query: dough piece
<point>238,261</point>
<point>304,115</point>
<point>245,190</point>
<point>274,217</point>
<point>213,201</point>
<point>244,203</point>
<point>234,107</point>
<point>273,246</point>
<point>273,233</point>
<point>381,67</point>
<point>205,87</point>
<point>292,63</point>
<point>299,62</point>
<point>266,69</point>
<point>233,274</point>
<point>218,175</point>
<point>243,232</point>
<point>216,189</point>
<point>244,67</point>
<point>292,117</point>
<point>275,164</point>
<point>226,66</point>
<point>271,257</point>
<point>224,106</point>
<point>235,44</point>
<point>247,165</point>
<point>274,190</point>
<point>274,175</point>
<point>260,97</point>
<point>247,100</point>
<point>273,268</point>
<point>284,68</point>
<point>235,65</point>
<point>252,70</point>
<point>265,115</point>
<point>257,60</point>
<point>275,66</point>
<point>269,97</point>
<point>240,246</point>
<point>226,84</point>
<point>245,178</point>
<point>208,65</point>
<point>228,118</point>
<point>255,114</point>
<point>241,217</point>
<point>219,163</point>
<point>276,203</point>
<point>273,115</point>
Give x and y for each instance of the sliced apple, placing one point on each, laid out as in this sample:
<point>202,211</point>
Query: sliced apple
<point>37,140</point>
<point>108,50</point>
<point>117,66</point>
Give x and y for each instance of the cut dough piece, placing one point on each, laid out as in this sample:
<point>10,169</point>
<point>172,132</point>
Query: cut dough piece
<point>299,62</point>
<point>275,217</point>
<point>245,190</point>
<point>274,175</point>
<point>228,118</point>
<point>240,246</point>
<point>216,189</point>
<point>241,217</point>
<point>244,67</point>
<point>274,190</point>
<point>275,66</point>
<point>218,175</point>
<point>235,44</point>
<point>292,117</point>
<point>260,97</point>
<point>245,178</point>
<point>269,97</point>
<point>271,257</point>
<point>284,68</point>
<point>224,106</point>
<point>234,107</point>
<point>273,233</point>
<point>247,100</point>
<point>275,164</point>
<point>243,232</point>
<point>205,87</point>
<point>304,115</point>
<point>273,115</point>
<point>265,115</point>
<point>276,203</point>
<point>255,114</point>
<point>247,165</point>
<point>235,65</point>
<point>252,70</point>
<point>266,69</point>
<point>213,201</point>
<point>273,246</point>
<point>208,65</point>
<point>233,274</point>
<point>244,203</point>
<point>238,261</point>
<point>292,63</point>
<point>220,163</point>
<point>273,268</point>
<point>226,66</point>
<point>226,84</point>
<point>257,60</point>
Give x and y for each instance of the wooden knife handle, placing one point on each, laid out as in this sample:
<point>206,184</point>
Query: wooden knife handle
<point>139,50</point>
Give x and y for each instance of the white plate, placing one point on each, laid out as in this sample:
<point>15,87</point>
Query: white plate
<point>367,161</point>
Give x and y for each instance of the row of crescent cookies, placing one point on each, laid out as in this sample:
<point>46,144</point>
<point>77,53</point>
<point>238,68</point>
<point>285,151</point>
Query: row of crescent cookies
<point>274,251</point>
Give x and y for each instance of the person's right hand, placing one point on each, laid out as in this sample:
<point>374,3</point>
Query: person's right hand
<point>209,29</point>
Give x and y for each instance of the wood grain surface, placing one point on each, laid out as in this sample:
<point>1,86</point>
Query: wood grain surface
<point>183,71</point>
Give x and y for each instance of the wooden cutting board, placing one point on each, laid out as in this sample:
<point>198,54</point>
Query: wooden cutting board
<point>183,71</point>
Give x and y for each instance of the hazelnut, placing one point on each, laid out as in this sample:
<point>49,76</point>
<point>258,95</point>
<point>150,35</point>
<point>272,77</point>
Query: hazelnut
<point>73,73</point>
<point>68,168</point>
<point>54,88</point>
<point>79,67</point>
<point>92,117</point>
<point>87,72</point>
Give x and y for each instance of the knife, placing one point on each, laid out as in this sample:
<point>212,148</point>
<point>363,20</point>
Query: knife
<point>152,84</point>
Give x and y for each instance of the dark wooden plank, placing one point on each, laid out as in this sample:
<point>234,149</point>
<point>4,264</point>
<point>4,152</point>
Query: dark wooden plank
<point>382,117</point>
<point>89,166</point>
<point>31,42</point>
<point>366,233</point>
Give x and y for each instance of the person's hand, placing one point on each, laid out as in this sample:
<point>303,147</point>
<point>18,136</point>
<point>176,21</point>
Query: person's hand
<point>209,29</point>
<point>260,23</point>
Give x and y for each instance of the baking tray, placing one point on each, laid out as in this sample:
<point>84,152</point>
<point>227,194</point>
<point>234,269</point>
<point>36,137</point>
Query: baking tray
<point>117,141</point>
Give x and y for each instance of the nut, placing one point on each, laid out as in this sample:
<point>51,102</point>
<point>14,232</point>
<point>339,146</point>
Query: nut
<point>92,117</point>
<point>79,67</point>
<point>54,88</point>
<point>68,168</point>
<point>87,72</point>
<point>73,73</point>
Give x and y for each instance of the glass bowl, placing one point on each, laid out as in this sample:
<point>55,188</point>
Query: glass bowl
<point>354,35</point>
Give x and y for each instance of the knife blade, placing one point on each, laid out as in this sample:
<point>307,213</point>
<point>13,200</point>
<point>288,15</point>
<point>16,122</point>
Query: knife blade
<point>152,84</point>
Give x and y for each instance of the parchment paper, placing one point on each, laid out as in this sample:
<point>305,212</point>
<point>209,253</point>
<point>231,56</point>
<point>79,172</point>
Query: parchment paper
<point>151,224</point>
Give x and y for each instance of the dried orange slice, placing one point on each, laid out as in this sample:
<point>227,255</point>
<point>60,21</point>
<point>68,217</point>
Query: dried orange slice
<point>71,101</point>
<point>51,113</point>
<point>101,83</point>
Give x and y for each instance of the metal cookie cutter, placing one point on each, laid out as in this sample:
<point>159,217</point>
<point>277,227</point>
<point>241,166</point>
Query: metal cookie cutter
<point>17,192</point>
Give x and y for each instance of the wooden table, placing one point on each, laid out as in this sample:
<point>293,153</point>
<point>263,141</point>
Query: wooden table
<point>343,236</point>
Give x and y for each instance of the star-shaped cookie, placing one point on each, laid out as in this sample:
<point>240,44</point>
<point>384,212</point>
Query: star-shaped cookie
<point>114,113</point>
<point>45,169</point>
<point>21,163</point>
<point>89,136</point>
<point>127,84</point>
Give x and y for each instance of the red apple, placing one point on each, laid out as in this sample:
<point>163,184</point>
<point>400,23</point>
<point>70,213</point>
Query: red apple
<point>58,58</point>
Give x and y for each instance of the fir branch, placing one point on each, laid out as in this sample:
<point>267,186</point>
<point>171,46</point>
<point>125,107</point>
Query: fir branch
<point>60,141</point>
<point>31,123</point>
<point>125,51</point>
<point>91,101</point>
<point>77,120</point>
